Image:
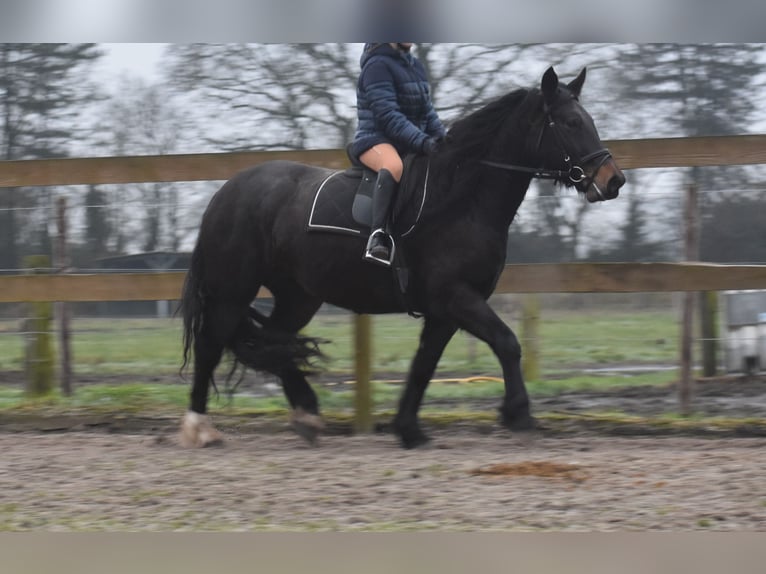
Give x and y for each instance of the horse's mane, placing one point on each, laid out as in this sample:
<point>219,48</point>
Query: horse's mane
<point>472,135</point>
<point>499,126</point>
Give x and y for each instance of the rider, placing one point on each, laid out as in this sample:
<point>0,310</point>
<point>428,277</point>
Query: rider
<point>395,117</point>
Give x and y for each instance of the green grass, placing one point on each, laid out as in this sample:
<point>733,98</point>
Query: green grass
<point>613,337</point>
<point>566,339</point>
<point>142,397</point>
<point>148,400</point>
<point>569,341</point>
<point>128,398</point>
<point>109,346</point>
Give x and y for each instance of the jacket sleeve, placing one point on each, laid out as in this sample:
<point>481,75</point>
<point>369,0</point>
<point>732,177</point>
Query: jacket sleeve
<point>435,127</point>
<point>378,83</point>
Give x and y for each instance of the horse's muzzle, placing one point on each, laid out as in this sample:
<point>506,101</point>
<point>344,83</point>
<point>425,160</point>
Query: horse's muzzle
<point>606,183</point>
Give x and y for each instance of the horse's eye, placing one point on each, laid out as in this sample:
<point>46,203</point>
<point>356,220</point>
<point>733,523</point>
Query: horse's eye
<point>573,123</point>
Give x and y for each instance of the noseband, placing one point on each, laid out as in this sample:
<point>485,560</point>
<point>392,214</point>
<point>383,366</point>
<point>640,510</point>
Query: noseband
<point>574,173</point>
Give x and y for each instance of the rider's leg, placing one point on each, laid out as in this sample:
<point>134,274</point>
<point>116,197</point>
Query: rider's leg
<point>384,159</point>
<point>383,156</point>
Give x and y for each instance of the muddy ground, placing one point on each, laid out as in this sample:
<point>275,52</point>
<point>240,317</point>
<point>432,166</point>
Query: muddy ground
<point>584,472</point>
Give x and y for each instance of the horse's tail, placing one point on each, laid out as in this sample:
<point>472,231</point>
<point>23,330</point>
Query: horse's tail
<point>192,305</point>
<point>263,348</point>
<point>253,342</point>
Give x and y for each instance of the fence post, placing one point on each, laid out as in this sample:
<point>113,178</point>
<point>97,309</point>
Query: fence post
<point>709,332</point>
<point>691,253</point>
<point>362,366</point>
<point>38,355</point>
<point>530,352</point>
<point>62,307</point>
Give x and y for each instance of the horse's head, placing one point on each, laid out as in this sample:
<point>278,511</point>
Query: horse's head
<point>568,144</point>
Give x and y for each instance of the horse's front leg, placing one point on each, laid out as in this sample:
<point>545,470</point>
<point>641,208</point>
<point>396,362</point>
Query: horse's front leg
<point>472,313</point>
<point>434,337</point>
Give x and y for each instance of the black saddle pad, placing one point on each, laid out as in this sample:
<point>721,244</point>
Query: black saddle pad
<point>333,207</point>
<point>343,203</point>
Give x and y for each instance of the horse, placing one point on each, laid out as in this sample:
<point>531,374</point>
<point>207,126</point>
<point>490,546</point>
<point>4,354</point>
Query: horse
<point>253,234</point>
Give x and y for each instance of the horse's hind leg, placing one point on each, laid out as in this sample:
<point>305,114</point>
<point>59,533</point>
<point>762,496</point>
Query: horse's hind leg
<point>434,337</point>
<point>218,326</point>
<point>293,309</point>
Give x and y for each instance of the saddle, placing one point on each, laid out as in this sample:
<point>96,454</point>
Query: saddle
<point>343,203</point>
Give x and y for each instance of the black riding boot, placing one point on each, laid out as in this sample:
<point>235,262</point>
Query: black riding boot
<point>380,245</point>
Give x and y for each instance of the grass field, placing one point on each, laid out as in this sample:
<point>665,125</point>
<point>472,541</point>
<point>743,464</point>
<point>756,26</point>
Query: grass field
<point>569,341</point>
<point>578,349</point>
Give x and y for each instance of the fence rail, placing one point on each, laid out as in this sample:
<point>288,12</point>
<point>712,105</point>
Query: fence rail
<point>516,278</point>
<point>638,153</point>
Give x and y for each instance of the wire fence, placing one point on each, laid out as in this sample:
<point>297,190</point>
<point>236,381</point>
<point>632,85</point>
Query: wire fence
<point>132,222</point>
<point>631,338</point>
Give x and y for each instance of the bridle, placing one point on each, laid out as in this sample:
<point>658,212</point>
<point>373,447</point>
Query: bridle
<point>574,173</point>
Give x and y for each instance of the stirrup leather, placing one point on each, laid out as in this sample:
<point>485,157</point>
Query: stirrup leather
<point>370,257</point>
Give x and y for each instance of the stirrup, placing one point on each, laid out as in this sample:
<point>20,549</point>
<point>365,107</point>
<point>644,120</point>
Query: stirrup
<point>368,256</point>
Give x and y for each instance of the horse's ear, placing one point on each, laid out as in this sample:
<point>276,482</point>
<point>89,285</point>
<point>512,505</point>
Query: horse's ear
<point>576,85</point>
<point>550,84</point>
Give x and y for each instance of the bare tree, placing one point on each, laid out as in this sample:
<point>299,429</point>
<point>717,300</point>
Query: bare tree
<point>694,90</point>
<point>41,88</point>
<point>142,120</point>
<point>269,96</point>
<point>294,96</point>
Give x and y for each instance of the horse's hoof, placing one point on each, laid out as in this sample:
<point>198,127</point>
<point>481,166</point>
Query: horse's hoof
<point>521,423</point>
<point>416,441</point>
<point>197,432</point>
<point>306,425</point>
<point>411,436</point>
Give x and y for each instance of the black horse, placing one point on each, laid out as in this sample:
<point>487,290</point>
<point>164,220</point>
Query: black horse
<point>253,234</point>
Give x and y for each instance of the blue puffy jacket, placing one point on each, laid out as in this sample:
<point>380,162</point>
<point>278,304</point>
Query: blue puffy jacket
<point>393,102</point>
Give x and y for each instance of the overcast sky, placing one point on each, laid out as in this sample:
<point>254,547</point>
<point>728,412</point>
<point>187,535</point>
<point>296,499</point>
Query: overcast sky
<point>138,59</point>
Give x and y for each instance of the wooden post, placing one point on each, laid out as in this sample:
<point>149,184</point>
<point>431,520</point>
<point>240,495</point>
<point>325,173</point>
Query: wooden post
<point>38,354</point>
<point>709,332</point>
<point>686,381</point>
<point>530,349</point>
<point>63,308</point>
<point>363,361</point>
<point>470,344</point>
<point>691,253</point>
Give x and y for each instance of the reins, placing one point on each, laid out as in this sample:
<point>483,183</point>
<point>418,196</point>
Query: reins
<point>538,173</point>
<point>575,173</point>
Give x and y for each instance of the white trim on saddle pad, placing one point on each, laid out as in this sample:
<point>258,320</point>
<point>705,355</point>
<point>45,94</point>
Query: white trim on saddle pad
<point>312,225</point>
<point>422,201</point>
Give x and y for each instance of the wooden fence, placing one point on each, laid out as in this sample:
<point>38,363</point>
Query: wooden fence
<point>535,278</point>
<point>526,278</point>
<point>630,154</point>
